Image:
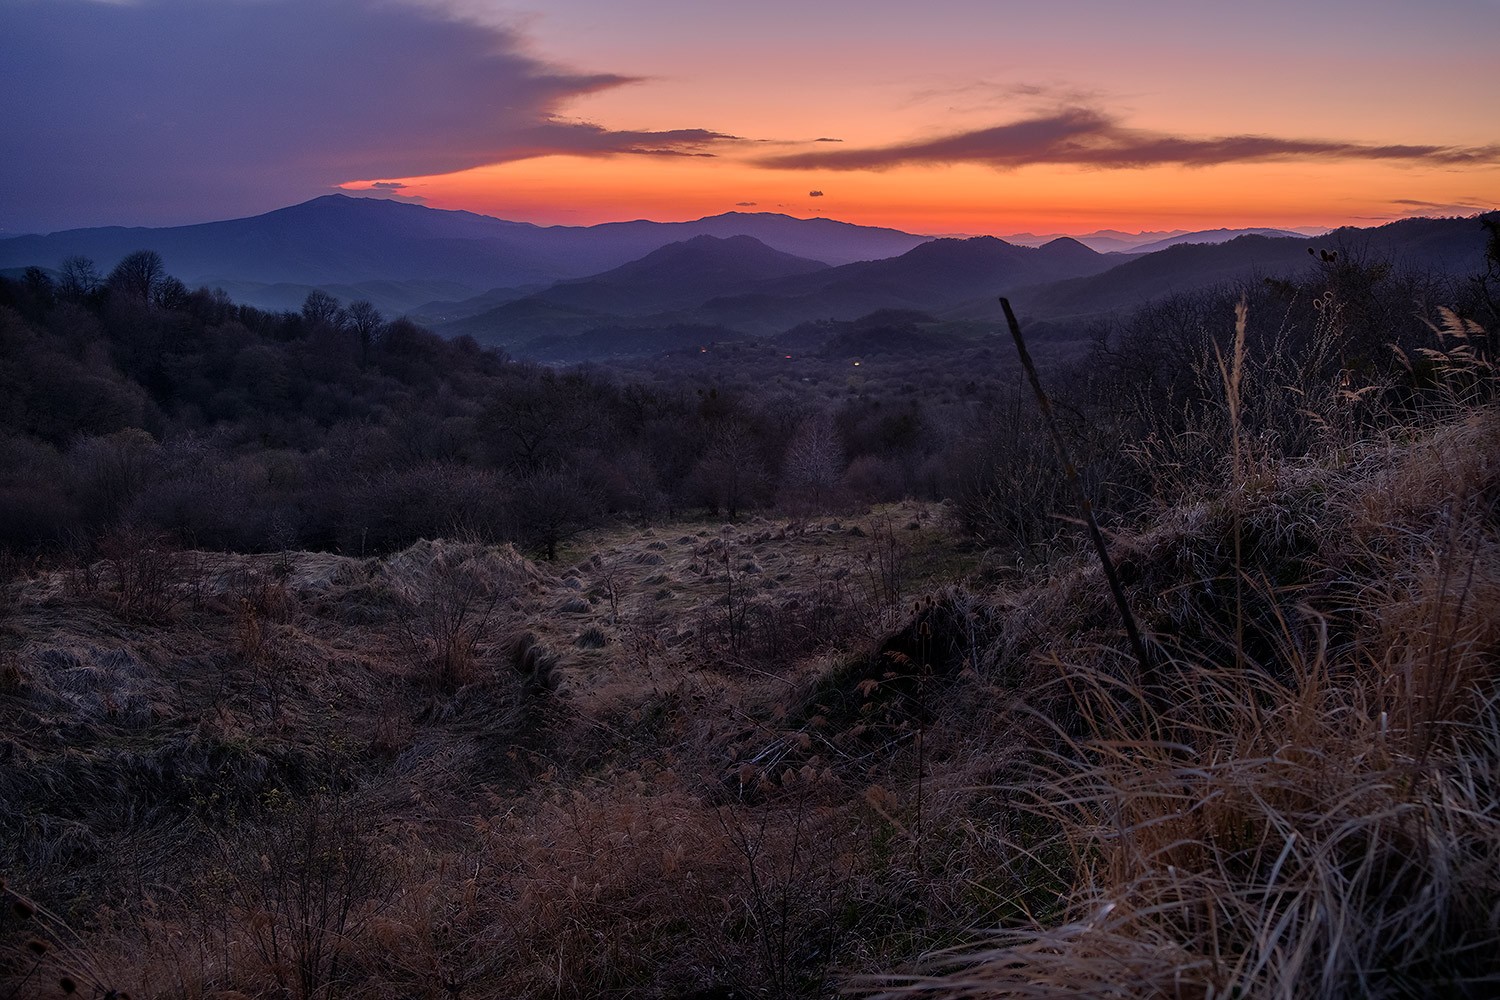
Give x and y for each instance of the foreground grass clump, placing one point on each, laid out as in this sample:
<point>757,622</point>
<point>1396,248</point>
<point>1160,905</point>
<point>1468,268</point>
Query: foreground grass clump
<point>310,775</point>
<point>1309,804</point>
<point>1327,834</point>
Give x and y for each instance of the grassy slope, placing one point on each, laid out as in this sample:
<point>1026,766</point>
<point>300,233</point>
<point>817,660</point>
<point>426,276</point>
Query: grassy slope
<point>787,765</point>
<point>452,708</point>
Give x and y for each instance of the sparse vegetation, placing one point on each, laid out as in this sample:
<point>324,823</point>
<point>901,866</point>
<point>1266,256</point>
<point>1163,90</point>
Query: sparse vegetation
<point>732,723</point>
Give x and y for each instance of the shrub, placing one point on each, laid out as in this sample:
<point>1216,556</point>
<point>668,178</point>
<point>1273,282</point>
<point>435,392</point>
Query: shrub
<point>298,886</point>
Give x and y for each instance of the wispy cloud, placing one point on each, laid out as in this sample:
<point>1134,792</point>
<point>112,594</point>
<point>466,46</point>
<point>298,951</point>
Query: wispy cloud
<point>981,95</point>
<point>177,110</point>
<point>1468,206</point>
<point>585,138</point>
<point>1087,137</point>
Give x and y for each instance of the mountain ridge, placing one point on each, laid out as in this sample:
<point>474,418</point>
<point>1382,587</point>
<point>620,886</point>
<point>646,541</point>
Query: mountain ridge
<point>1445,246</point>
<point>933,275</point>
<point>1062,285</point>
<point>341,240</point>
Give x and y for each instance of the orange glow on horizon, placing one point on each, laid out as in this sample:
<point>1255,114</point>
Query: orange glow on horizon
<point>1332,89</point>
<point>966,198</point>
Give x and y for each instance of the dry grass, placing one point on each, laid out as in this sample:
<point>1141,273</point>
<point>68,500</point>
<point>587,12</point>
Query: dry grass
<point>1314,809</point>
<point>1330,833</point>
<point>777,759</point>
<point>561,814</point>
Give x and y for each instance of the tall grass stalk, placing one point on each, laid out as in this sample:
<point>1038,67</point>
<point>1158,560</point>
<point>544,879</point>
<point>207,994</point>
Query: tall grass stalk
<point>1232,374</point>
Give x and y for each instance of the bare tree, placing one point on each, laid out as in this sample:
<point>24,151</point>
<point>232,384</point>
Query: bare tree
<point>365,320</point>
<point>39,286</point>
<point>107,472</point>
<point>730,475</point>
<point>170,293</point>
<point>814,464</point>
<point>534,424</point>
<point>138,274</point>
<point>320,309</point>
<point>553,506</point>
<point>80,278</point>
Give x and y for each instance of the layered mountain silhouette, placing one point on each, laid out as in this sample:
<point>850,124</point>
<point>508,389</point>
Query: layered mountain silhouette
<point>1058,287</point>
<point>409,256</point>
<point>662,287</point>
<point>333,239</point>
<point>1210,236</point>
<point>1441,246</point>
<point>1115,241</point>
<point>629,286</point>
<point>734,284</point>
<point>1184,267</point>
<point>931,277</point>
<point>678,276</point>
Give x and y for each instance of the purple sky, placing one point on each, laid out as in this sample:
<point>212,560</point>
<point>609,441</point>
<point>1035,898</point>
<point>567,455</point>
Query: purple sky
<point>952,115</point>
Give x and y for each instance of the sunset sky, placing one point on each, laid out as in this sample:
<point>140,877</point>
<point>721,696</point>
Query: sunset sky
<point>946,116</point>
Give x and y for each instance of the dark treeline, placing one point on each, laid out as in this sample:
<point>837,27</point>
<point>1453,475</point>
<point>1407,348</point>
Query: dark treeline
<point>131,404</point>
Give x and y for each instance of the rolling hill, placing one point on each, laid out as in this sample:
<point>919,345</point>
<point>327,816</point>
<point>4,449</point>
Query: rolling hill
<point>333,239</point>
<point>670,287</point>
<point>1443,246</point>
<point>1210,236</point>
<point>679,276</point>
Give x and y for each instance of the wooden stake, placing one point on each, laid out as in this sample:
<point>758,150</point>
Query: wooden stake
<point>1149,680</point>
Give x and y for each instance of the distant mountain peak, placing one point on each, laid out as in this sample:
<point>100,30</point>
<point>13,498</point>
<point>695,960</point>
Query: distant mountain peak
<point>964,248</point>
<point>708,239</point>
<point>345,242</point>
<point>717,251</point>
<point>376,205</point>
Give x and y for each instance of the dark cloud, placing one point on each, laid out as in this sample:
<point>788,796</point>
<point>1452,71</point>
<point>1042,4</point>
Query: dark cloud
<point>388,186</point>
<point>1087,137</point>
<point>745,204</point>
<point>178,110</point>
<point>1468,206</point>
<point>815,194</point>
<point>826,139</point>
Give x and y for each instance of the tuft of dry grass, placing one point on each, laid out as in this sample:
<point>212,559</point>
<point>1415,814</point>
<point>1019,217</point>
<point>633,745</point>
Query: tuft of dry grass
<point>1325,836</point>
<point>1314,811</point>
